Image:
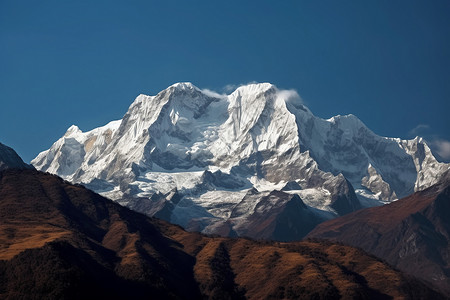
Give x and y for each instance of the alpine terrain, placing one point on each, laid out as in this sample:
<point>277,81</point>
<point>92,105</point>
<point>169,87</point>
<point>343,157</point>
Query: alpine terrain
<point>10,159</point>
<point>254,163</point>
<point>63,241</point>
<point>412,234</point>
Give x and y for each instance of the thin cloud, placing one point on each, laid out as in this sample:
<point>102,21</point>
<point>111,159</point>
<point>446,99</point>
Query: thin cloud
<point>229,88</point>
<point>213,94</point>
<point>442,147</point>
<point>290,96</point>
<point>419,130</point>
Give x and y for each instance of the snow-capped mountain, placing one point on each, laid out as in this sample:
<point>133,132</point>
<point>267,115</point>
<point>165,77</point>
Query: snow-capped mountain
<point>225,163</point>
<point>9,159</point>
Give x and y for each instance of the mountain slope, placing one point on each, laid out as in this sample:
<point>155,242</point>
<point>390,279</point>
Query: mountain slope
<point>64,241</point>
<point>54,233</point>
<point>213,149</point>
<point>412,234</point>
<point>10,159</point>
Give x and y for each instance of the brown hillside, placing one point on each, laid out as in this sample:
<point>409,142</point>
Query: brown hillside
<point>413,233</point>
<point>60,241</point>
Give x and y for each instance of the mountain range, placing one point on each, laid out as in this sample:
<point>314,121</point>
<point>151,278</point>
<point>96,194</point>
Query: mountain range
<point>254,163</point>
<point>63,241</point>
<point>212,164</point>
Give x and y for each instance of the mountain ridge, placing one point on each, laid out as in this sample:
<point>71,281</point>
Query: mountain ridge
<point>256,137</point>
<point>10,159</point>
<point>65,241</point>
<point>412,234</point>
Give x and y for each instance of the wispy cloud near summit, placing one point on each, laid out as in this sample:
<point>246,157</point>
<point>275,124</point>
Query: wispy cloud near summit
<point>437,144</point>
<point>419,130</point>
<point>290,96</point>
<point>442,147</point>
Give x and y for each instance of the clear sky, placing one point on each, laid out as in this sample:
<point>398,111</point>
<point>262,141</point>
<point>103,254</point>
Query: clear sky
<point>84,62</point>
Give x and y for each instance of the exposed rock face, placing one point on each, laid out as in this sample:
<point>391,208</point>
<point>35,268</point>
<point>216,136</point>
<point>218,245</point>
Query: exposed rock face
<point>10,160</point>
<point>412,234</point>
<point>213,148</point>
<point>64,241</point>
<point>273,215</point>
<point>291,186</point>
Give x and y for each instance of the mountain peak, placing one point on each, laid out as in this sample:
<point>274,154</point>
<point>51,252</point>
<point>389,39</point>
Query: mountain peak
<point>72,129</point>
<point>254,88</point>
<point>184,86</point>
<point>9,159</point>
<point>257,136</point>
<point>350,120</point>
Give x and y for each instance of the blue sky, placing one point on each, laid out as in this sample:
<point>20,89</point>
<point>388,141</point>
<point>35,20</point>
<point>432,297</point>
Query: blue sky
<point>84,62</point>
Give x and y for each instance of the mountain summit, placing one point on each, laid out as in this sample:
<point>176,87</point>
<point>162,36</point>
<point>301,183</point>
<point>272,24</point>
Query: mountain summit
<point>254,159</point>
<point>10,160</point>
